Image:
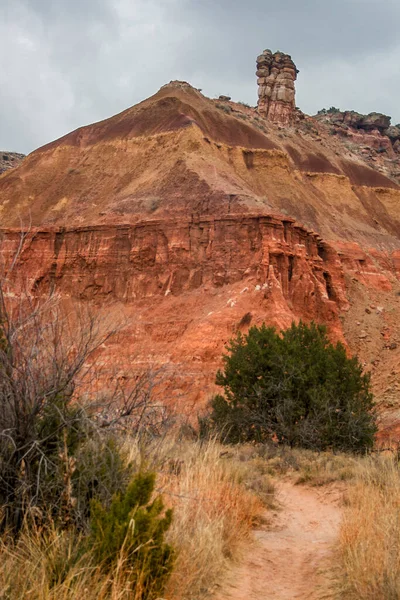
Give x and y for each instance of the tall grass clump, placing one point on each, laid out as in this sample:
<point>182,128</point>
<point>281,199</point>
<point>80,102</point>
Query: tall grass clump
<point>368,554</point>
<point>214,508</point>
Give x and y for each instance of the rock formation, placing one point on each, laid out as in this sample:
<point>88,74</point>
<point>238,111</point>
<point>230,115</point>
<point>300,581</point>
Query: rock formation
<point>276,74</point>
<point>192,218</point>
<point>368,123</point>
<point>10,160</point>
<point>371,138</point>
<point>184,285</point>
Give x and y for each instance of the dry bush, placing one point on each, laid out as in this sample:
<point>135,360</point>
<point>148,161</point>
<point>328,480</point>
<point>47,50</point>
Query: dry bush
<point>57,425</point>
<point>368,555</point>
<point>213,515</point>
<point>44,355</point>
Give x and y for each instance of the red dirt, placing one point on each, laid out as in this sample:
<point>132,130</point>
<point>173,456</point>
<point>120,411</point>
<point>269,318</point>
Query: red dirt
<point>363,175</point>
<point>315,163</point>
<point>161,114</point>
<point>291,556</point>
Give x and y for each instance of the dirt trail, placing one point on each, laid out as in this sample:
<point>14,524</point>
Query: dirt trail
<point>288,559</point>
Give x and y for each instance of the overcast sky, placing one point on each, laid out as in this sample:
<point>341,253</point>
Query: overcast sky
<point>66,63</point>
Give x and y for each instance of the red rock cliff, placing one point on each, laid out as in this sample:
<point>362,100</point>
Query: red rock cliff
<point>164,214</point>
<point>186,286</point>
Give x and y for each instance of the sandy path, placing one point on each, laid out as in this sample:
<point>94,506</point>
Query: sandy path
<point>287,561</point>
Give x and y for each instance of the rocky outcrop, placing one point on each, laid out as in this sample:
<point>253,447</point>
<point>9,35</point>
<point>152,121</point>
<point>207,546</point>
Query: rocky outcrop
<point>183,286</point>
<point>393,133</point>
<point>370,137</point>
<point>10,160</point>
<point>162,257</point>
<point>372,122</point>
<point>373,130</point>
<point>276,74</point>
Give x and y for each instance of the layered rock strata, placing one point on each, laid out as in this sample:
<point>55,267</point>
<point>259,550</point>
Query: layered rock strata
<point>168,214</point>
<point>184,287</point>
<point>162,257</point>
<point>276,74</point>
<point>372,131</point>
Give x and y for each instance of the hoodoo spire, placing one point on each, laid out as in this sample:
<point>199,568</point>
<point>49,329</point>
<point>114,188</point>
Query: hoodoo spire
<point>276,75</point>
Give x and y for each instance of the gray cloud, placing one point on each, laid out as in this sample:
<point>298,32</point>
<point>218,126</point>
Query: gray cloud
<point>71,62</point>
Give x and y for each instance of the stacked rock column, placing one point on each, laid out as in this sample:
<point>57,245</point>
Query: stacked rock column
<point>276,75</point>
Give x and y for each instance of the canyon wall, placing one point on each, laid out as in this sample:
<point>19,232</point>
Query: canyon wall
<point>183,288</point>
<point>161,257</point>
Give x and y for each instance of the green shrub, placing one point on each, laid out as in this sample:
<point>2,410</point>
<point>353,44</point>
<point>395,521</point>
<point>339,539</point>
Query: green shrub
<point>102,469</point>
<point>329,111</point>
<point>296,387</point>
<point>133,527</point>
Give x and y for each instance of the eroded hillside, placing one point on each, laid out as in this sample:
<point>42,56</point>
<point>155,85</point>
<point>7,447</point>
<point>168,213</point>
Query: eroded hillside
<point>194,218</point>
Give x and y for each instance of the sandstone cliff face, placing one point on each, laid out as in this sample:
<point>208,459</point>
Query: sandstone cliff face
<point>158,258</point>
<point>276,74</point>
<point>184,287</point>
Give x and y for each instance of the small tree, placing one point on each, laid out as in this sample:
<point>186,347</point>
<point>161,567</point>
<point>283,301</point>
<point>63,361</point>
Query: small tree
<point>133,528</point>
<point>296,386</point>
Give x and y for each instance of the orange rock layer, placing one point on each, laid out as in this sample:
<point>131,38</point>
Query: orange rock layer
<point>186,286</point>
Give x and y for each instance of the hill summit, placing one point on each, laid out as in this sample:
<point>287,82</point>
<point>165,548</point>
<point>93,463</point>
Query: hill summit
<point>196,217</point>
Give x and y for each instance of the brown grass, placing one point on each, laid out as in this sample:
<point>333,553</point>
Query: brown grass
<point>52,565</point>
<point>215,505</point>
<point>303,466</point>
<point>368,556</point>
<point>215,513</point>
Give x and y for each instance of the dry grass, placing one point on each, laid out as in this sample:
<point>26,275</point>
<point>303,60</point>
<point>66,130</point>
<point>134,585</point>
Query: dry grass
<point>215,499</point>
<point>304,466</point>
<point>215,506</point>
<point>368,556</point>
<point>217,494</point>
<point>52,565</point>
<point>215,513</point>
